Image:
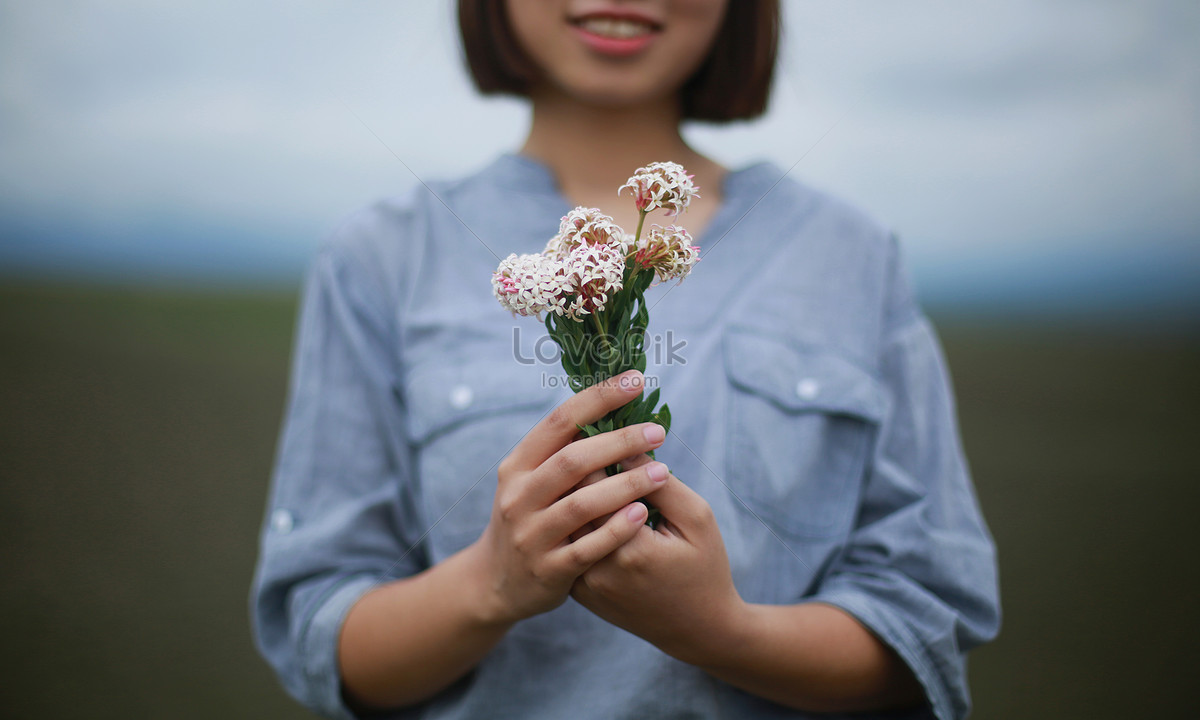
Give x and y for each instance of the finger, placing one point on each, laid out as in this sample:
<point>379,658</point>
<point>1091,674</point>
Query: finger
<point>562,424</point>
<point>592,478</point>
<point>628,463</point>
<point>635,461</point>
<point>581,554</point>
<point>591,525</point>
<point>601,499</point>
<point>682,506</point>
<point>563,470</point>
<point>587,528</point>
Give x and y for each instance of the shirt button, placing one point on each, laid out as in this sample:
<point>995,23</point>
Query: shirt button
<point>807,389</point>
<point>461,397</point>
<point>282,522</point>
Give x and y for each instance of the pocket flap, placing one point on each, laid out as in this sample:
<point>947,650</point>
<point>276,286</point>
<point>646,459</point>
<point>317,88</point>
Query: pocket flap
<point>442,396</point>
<point>798,378</point>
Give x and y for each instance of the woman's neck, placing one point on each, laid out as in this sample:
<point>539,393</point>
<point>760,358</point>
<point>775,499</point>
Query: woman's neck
<point>592,151</point>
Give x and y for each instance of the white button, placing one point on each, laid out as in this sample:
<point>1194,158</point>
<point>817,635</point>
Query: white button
<point>461,397</point>
<point>281,521</point>
<point>808,389</point>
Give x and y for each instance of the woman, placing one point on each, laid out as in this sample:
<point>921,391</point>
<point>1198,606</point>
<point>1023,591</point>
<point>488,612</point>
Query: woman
<point>439,543</point>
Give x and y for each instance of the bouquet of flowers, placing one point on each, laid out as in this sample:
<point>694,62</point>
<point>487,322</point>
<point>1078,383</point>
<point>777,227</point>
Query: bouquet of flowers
<point>590,283</point>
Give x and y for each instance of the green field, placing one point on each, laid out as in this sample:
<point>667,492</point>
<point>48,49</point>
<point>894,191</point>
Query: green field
<point>136,437</point>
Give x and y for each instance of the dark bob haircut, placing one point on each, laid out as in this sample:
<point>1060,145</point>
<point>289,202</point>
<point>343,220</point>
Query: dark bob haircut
<point>732,83</point>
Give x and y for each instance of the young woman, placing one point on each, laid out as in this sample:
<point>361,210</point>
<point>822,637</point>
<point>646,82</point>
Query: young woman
<point>440,543</point>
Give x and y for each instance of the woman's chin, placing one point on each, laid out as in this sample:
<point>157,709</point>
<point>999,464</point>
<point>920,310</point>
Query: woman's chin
<point>615,96</point>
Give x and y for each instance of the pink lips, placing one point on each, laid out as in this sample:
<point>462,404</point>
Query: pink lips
<point>615,47</point>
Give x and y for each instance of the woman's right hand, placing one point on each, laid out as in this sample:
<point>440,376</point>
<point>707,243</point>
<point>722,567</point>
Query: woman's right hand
<point>540,537</point>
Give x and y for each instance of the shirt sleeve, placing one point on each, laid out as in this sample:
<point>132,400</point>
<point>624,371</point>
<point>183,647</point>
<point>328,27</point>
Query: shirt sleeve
<point>340,518</point>
<point>920,568</point>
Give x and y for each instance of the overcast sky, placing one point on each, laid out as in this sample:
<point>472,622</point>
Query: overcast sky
<point>1049,140</point>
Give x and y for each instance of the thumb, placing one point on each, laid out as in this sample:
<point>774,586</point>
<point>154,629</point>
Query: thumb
<point>686,512</point>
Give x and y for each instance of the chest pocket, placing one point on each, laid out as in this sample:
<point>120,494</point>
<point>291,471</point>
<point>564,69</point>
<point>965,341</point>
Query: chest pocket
<point>463,418</point>
<point>802,423</point>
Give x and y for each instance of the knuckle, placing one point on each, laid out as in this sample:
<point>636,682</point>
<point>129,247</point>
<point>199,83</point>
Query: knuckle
<point>575,509</point>
<point>588,583</point>
<point>522,542</point>
<point>539,573</point>
<point>506,506</point>
<point>617,535</point>
<point>628,560</point>
<point>601,586</point>
<point>607,391</point>
<point>597,583</point>
<point>635,441</point>
<point>566,463</point>
<point>560,419</point>
<point>506,468</point>
<point>637,482</point>
<point>577,556</point>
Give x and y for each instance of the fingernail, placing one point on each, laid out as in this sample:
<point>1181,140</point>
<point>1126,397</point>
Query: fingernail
<point>654,433</point>
<point>657,472</point>
<point>630,380</point>
<point>636,513</point>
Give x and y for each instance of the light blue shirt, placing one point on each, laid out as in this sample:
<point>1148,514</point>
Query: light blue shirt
<point>811,408</point>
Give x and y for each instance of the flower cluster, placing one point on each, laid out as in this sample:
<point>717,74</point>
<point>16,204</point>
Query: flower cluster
<point>669,252</point>
<point>577,274</point>
<point>530,285</point>
<point>583,226</point>
<point>600,271</point>
<point>664,185</point>
<point>591,259</point>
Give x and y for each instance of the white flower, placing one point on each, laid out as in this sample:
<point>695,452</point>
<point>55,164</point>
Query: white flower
<point>661,185</point>
<point>583,226</point>
<point>627,243</point>
<point>532,284</point>
<point>598,272</point>
<point>554,248</point>
<point>668,251</point>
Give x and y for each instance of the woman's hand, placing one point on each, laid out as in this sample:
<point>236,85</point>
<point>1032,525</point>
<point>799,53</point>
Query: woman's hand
<point>672,585</point>
<point>546,529</point>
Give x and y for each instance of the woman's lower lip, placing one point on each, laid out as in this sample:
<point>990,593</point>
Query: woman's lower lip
<point>617,47</point>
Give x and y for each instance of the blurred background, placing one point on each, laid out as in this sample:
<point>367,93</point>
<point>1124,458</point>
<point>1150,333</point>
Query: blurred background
<point>166,171</point>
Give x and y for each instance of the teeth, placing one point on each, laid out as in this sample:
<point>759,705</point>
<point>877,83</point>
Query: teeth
<point>615,28</point>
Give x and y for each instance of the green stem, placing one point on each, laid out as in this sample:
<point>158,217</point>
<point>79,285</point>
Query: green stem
<point>608,352</point>
<point>599,326</point>
<point>636,236</point>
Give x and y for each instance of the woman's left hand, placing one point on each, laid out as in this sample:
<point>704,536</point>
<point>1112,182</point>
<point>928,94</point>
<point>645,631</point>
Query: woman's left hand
<point>671,585</point>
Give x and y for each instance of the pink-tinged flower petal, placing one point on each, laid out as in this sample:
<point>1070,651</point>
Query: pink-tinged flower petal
<point>668,251</point>
<point>598,272</point>
<point>664,185</point>
<point>532,284</point>
<point>584,226</point>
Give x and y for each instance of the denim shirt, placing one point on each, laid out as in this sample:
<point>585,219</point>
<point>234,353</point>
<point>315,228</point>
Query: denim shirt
<point>811,408</point>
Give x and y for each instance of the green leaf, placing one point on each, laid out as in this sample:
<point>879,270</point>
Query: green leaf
<point>663,417</point>
<point>627,411</point>
<point>652,399</point>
